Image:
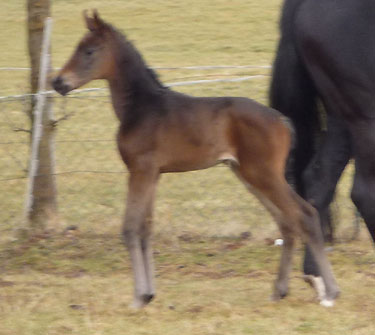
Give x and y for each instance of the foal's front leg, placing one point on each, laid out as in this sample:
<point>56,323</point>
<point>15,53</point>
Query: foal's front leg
<point>147,248</point>
<point>136,232</point>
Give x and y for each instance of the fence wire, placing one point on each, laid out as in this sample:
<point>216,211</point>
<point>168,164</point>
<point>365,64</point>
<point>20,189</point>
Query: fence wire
<point>85,147</point>
<point>89,170</point>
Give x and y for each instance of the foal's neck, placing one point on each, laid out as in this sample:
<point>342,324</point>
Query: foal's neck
<point>133,97</point>
<point>118,96</point>
<point>133,84</point>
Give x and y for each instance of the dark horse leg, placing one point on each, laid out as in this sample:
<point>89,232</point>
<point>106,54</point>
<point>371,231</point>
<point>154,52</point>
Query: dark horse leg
<point>322,174</point>
<point>320,180</point>
<point>363,192</point>
<point>315,171</point>
<point>313,62</point>
<point>345,83</point>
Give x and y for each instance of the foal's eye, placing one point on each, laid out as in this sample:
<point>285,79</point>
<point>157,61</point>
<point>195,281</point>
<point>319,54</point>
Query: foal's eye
<point>89,52</point>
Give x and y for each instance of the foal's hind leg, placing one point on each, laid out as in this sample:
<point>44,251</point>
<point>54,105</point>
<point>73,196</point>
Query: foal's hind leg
<point>294,216</point>
<point>281,284</point>
<point>288,233</point>
<point>136,232</point>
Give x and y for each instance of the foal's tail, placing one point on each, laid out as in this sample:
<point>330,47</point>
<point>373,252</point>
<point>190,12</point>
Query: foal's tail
<point>293,93</point>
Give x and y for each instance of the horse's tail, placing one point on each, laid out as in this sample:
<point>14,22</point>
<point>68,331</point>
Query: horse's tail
<point>293,93</point>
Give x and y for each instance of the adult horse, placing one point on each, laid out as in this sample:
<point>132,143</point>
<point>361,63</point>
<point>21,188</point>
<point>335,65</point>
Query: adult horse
<point>327,53</point>
<point>165,131</point>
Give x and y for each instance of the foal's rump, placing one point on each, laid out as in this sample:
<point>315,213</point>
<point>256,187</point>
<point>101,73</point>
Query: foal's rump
<point>263,134</point>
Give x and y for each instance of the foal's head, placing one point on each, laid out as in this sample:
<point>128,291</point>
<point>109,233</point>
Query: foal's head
<point>92,59</point>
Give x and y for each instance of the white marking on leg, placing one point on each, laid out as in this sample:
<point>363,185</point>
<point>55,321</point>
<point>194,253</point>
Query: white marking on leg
<point>319,287</point>
<point>318,284</point>
<point>278,242</point>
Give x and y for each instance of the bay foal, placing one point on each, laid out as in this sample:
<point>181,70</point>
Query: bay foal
<point>165,131</point>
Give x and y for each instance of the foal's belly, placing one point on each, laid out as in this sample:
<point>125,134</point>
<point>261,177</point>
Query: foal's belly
<point>198,160</point>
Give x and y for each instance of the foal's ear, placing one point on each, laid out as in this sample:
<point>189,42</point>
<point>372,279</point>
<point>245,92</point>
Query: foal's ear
<point>94,23</point>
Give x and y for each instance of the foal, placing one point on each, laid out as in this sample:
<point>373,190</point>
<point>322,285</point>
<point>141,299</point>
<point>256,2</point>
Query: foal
<point>165,131</point>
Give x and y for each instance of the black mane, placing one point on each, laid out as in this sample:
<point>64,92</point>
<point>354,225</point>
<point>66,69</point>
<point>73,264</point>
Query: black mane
<point>142,91</point>
<point>131,61</point>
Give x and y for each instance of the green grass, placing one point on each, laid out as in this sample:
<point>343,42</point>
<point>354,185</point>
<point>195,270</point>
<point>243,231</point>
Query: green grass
<point>210,281</point>
<point>67,285</point>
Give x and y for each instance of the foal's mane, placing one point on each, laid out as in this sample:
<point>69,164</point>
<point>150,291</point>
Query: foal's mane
<point>131,62</point>
<point>140,90</point>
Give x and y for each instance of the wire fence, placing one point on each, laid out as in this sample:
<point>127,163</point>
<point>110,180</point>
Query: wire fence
<point>88,166</point>
<point>15,120</point>
<point>87,163</point>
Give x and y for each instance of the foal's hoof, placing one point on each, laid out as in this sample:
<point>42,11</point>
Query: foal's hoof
<point>277,295</point>
<point>142,301</point>
<point>147,298</point>
<point>280,291</point>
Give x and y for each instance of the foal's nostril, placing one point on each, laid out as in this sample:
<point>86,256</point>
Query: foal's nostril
<point>57,83</point>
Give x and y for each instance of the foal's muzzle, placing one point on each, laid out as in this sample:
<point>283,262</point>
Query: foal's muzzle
<point>60,87</point>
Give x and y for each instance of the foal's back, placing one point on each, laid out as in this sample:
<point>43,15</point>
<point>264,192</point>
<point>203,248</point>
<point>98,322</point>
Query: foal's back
<point>198,132</point>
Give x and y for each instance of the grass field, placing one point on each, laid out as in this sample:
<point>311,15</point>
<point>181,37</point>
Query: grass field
<point>211,278</point>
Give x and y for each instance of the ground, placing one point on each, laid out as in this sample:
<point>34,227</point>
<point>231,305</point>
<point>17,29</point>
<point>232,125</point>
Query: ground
<point>215,258</point>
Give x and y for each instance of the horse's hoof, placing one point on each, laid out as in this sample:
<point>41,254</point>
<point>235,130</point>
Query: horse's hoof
<point>326,298</point>
<point>280,291</point>
<point>317,284</point>
<point>327,303</point>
